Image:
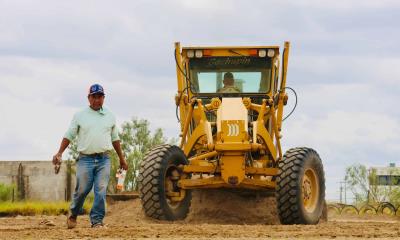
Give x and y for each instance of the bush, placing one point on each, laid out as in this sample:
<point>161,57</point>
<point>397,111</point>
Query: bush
<point>6,192</point>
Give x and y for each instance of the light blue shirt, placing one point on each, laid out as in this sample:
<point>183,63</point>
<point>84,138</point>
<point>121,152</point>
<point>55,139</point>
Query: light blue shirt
<point>96,130</point>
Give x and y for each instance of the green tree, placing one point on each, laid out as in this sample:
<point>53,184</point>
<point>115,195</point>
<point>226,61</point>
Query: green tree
<point>73,153</point>
<point>357,180</point>
<point>136,140</point>
<point>394,196</point>
<point>364,186</point>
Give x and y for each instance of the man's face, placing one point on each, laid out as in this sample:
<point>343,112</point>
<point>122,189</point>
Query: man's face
<point>96,101</point>
<point>229,82</point>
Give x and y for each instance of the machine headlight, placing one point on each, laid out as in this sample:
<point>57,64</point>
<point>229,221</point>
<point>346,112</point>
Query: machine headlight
<point>271,53</point>
<point>199,53</point>
<point>262,53</point>
<point>190,53</point>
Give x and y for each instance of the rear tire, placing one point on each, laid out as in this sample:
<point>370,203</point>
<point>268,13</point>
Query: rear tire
<point>300,187</point>
<point>158,170</point>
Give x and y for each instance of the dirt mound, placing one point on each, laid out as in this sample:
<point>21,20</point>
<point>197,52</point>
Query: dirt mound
<point>127,213</point>
<point>220,206</point>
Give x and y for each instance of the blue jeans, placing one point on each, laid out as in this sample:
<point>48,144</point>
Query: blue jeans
<point>91,172</point>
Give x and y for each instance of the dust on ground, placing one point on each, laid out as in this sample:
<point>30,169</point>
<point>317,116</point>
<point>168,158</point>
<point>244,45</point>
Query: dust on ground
<point>219,206</point>
<point>214,214</point>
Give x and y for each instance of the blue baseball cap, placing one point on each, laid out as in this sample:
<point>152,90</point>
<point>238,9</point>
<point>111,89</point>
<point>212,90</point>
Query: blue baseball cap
<point>96,89</point>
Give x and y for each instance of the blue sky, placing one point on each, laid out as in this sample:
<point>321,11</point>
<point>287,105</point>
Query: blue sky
<point>344,64</point>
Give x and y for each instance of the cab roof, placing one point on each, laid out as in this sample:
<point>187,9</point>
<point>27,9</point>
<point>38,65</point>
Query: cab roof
<point>229,47</point>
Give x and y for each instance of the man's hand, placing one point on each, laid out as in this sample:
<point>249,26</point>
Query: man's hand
<point>123,164</point>
<point>57,159</point>
<point>57,162</point>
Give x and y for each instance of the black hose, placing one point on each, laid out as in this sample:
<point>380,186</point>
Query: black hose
<point>181,70</point>
<point>295,104</point>
<point>188,83</point>
<point>177,106</point>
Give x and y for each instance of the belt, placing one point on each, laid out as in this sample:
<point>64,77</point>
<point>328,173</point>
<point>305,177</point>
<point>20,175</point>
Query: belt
<point>93,155</point>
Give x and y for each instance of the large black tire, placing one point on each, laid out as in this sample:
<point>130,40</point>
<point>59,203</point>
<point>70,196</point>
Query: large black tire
<point>153,173</point>
<point>300,200</point>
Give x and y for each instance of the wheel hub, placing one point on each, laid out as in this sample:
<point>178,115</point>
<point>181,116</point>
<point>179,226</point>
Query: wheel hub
<point>307,189</point>
<point>173,193</point>
<point>310,190</point>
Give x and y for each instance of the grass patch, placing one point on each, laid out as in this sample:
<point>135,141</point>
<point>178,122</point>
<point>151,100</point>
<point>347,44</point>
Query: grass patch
<point>29,208</point>
<point>6,192</point>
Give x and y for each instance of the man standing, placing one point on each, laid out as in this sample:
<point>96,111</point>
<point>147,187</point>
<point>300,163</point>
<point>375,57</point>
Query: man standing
<point>97,134</point>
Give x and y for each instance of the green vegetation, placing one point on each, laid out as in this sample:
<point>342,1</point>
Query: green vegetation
<point>10,208</point>
<point>37,208</point>
<point>357,180</point>
<point>136,141</point>
<point>6,192</point>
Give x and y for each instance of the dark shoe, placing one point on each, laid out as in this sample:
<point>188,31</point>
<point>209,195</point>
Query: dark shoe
<point>71,222</point>
<point>98,225</point>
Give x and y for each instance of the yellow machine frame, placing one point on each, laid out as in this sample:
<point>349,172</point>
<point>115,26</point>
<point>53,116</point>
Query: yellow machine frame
<point>218,160</point>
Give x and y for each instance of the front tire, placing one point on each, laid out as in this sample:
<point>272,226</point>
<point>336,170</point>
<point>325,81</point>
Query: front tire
<point>159,174</point>
<point>300,187</point>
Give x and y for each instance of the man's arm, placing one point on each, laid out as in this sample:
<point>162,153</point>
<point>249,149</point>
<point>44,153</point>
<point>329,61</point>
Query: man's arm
<point>68,137</point>
<point>122,162</point>
<point>58,156</point>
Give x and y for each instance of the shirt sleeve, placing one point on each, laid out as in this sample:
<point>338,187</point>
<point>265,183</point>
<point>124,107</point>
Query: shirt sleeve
<point>114,132</point>
<point>73,129</point>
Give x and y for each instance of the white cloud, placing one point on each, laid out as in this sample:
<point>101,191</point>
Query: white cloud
<point>387,71</point>
<point>47,79</point>
<point>39,96</point>
<point>32,126</point>
<point>347,5</point>
<point>208,5</point>
<point>344,138</point>
<point>343,129</point>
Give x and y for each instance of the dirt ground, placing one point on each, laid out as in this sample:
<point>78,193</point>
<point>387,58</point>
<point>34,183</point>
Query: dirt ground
<point>213,215</point>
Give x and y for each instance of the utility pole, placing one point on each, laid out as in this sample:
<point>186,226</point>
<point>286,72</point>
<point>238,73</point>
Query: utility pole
<point>341,192</point>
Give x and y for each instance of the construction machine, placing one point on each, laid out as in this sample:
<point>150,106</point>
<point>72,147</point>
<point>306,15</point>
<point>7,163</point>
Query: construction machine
<point>230,103</point>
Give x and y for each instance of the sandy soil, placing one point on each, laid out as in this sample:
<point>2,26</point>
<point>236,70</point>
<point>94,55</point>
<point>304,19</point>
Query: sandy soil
<point>213,215</point>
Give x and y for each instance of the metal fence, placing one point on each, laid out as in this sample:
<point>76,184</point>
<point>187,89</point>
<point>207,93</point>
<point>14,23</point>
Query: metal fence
<point>379,208</point>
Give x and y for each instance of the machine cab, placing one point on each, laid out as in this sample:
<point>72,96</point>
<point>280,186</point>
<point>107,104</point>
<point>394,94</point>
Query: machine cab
<point>232,71</point>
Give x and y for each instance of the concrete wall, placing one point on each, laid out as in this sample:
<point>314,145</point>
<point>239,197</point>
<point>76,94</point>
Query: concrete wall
<point>36,180</point>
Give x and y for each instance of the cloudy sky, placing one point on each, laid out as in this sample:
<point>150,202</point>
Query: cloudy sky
<point>344,65</point>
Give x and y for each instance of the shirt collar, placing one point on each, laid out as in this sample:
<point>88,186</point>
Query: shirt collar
<point>101,111</point>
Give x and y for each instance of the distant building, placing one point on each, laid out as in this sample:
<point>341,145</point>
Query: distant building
<point>385,176</point>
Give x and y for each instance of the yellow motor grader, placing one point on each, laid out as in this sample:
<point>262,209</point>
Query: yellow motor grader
<point>230,104</point>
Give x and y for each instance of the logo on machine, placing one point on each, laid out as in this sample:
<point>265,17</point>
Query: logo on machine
<point>233,129</point>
